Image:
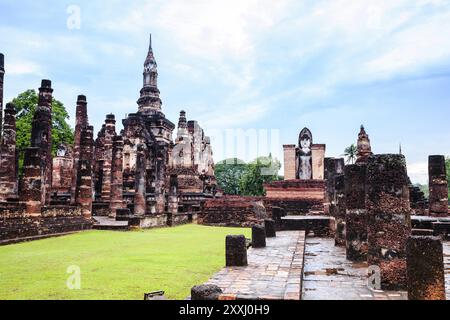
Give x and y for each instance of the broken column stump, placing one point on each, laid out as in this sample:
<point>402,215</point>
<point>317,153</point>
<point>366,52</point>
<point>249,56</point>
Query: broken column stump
<point>8,166</point>
<point>258,237</point>
<point>269,225</point>
<point>31,184</point>
<point>206,292</point>
<point>236,251</point>
<point>425,261</point>
<point>389,221</point>
<point>438,186</point>
<point>356,213</point>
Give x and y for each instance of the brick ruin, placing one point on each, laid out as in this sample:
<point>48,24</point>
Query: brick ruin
<point>139,174</point>
<point>27,209</point>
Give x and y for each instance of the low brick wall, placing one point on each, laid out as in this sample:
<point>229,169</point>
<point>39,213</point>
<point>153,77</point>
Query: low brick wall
<point>233,212</point>
<point>16,225</point>
<point>297,197</point>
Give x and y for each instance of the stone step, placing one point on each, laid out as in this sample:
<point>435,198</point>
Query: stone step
<point>105,223</point>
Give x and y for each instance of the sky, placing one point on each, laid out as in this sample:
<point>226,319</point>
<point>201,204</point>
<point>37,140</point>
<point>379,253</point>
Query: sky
<point>258,69</point>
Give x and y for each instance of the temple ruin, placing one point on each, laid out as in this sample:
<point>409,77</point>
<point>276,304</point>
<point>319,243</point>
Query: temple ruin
<point>367,214</point>
<point>138,176</point>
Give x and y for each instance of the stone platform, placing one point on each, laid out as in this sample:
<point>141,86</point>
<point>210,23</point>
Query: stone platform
<point>273,273</point>
<point>320,225</point>
<point>447,268</point>
<point>328,275</point>
<point>106,223</point>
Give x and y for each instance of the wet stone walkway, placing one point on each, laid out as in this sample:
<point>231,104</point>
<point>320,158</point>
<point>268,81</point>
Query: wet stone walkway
<point>447,268</point>
<point>273,273</point>
<point>328,275</point>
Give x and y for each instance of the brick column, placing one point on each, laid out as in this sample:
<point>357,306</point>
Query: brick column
<point>31,184</point>
<point>140,201</point>
<point>236,251</point>
<point>356,213</point>
<point>117,176</point>
<point>81,121</point>
<point>438,186</point>
<point>8,169</point>
<point>290,170</point>
<point>425,260</point>
<point>318,161</point>
<point>2,76</point>
<point>41,137</point>
<point>173,194</point>
<point>160,183</point>
<point>339,210</point>
<point>84,192</point>
<point>110,132</point>
<point>258,237</point>
<point>270,227</point>
<point>389,226</point>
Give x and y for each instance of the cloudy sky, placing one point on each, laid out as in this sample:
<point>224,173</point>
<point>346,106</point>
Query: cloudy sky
<point>239,66</point>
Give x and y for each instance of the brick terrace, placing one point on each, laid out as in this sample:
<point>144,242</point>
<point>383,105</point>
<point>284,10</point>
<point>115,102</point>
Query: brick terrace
<point>273,273</point>
<point>329,275</point>
<point>291,264</point>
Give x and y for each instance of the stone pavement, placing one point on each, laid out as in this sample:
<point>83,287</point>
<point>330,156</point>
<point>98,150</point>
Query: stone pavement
<point>273,273</point>
<point>447,268</point>
<point>328,275</point>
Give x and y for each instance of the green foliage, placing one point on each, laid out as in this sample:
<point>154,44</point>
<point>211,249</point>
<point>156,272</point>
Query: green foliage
<point>351,153</point>
<point>26,104</point>
<point>235,177</point>
<point>228,175</point>
<point>262,170</point>
<point>114,265</point>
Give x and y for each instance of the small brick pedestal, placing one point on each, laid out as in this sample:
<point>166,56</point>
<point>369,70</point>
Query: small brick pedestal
<point>258,237</point>
<point>236,251</point>
<point>206,292</point>
<point>425,268</point>
<point>270,228</point>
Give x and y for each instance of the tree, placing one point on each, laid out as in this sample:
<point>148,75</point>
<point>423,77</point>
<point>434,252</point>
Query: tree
<point>26,104</point>
<point>351,153</point>
<point>228,175</point>
<point>262,170</point>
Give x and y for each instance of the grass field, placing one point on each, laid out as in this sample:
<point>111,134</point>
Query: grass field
<point>114,265</point>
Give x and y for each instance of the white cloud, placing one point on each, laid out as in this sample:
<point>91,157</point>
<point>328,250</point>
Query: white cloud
<point>418,172</point>
<point>23,67</point>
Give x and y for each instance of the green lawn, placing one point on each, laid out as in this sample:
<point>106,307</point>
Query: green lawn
<point>114,265</point>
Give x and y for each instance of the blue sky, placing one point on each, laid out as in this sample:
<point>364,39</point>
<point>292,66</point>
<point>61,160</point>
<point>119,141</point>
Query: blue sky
<point>242,65</point>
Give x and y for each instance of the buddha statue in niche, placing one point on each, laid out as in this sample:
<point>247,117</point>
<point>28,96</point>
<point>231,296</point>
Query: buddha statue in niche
<point>304,158</point>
